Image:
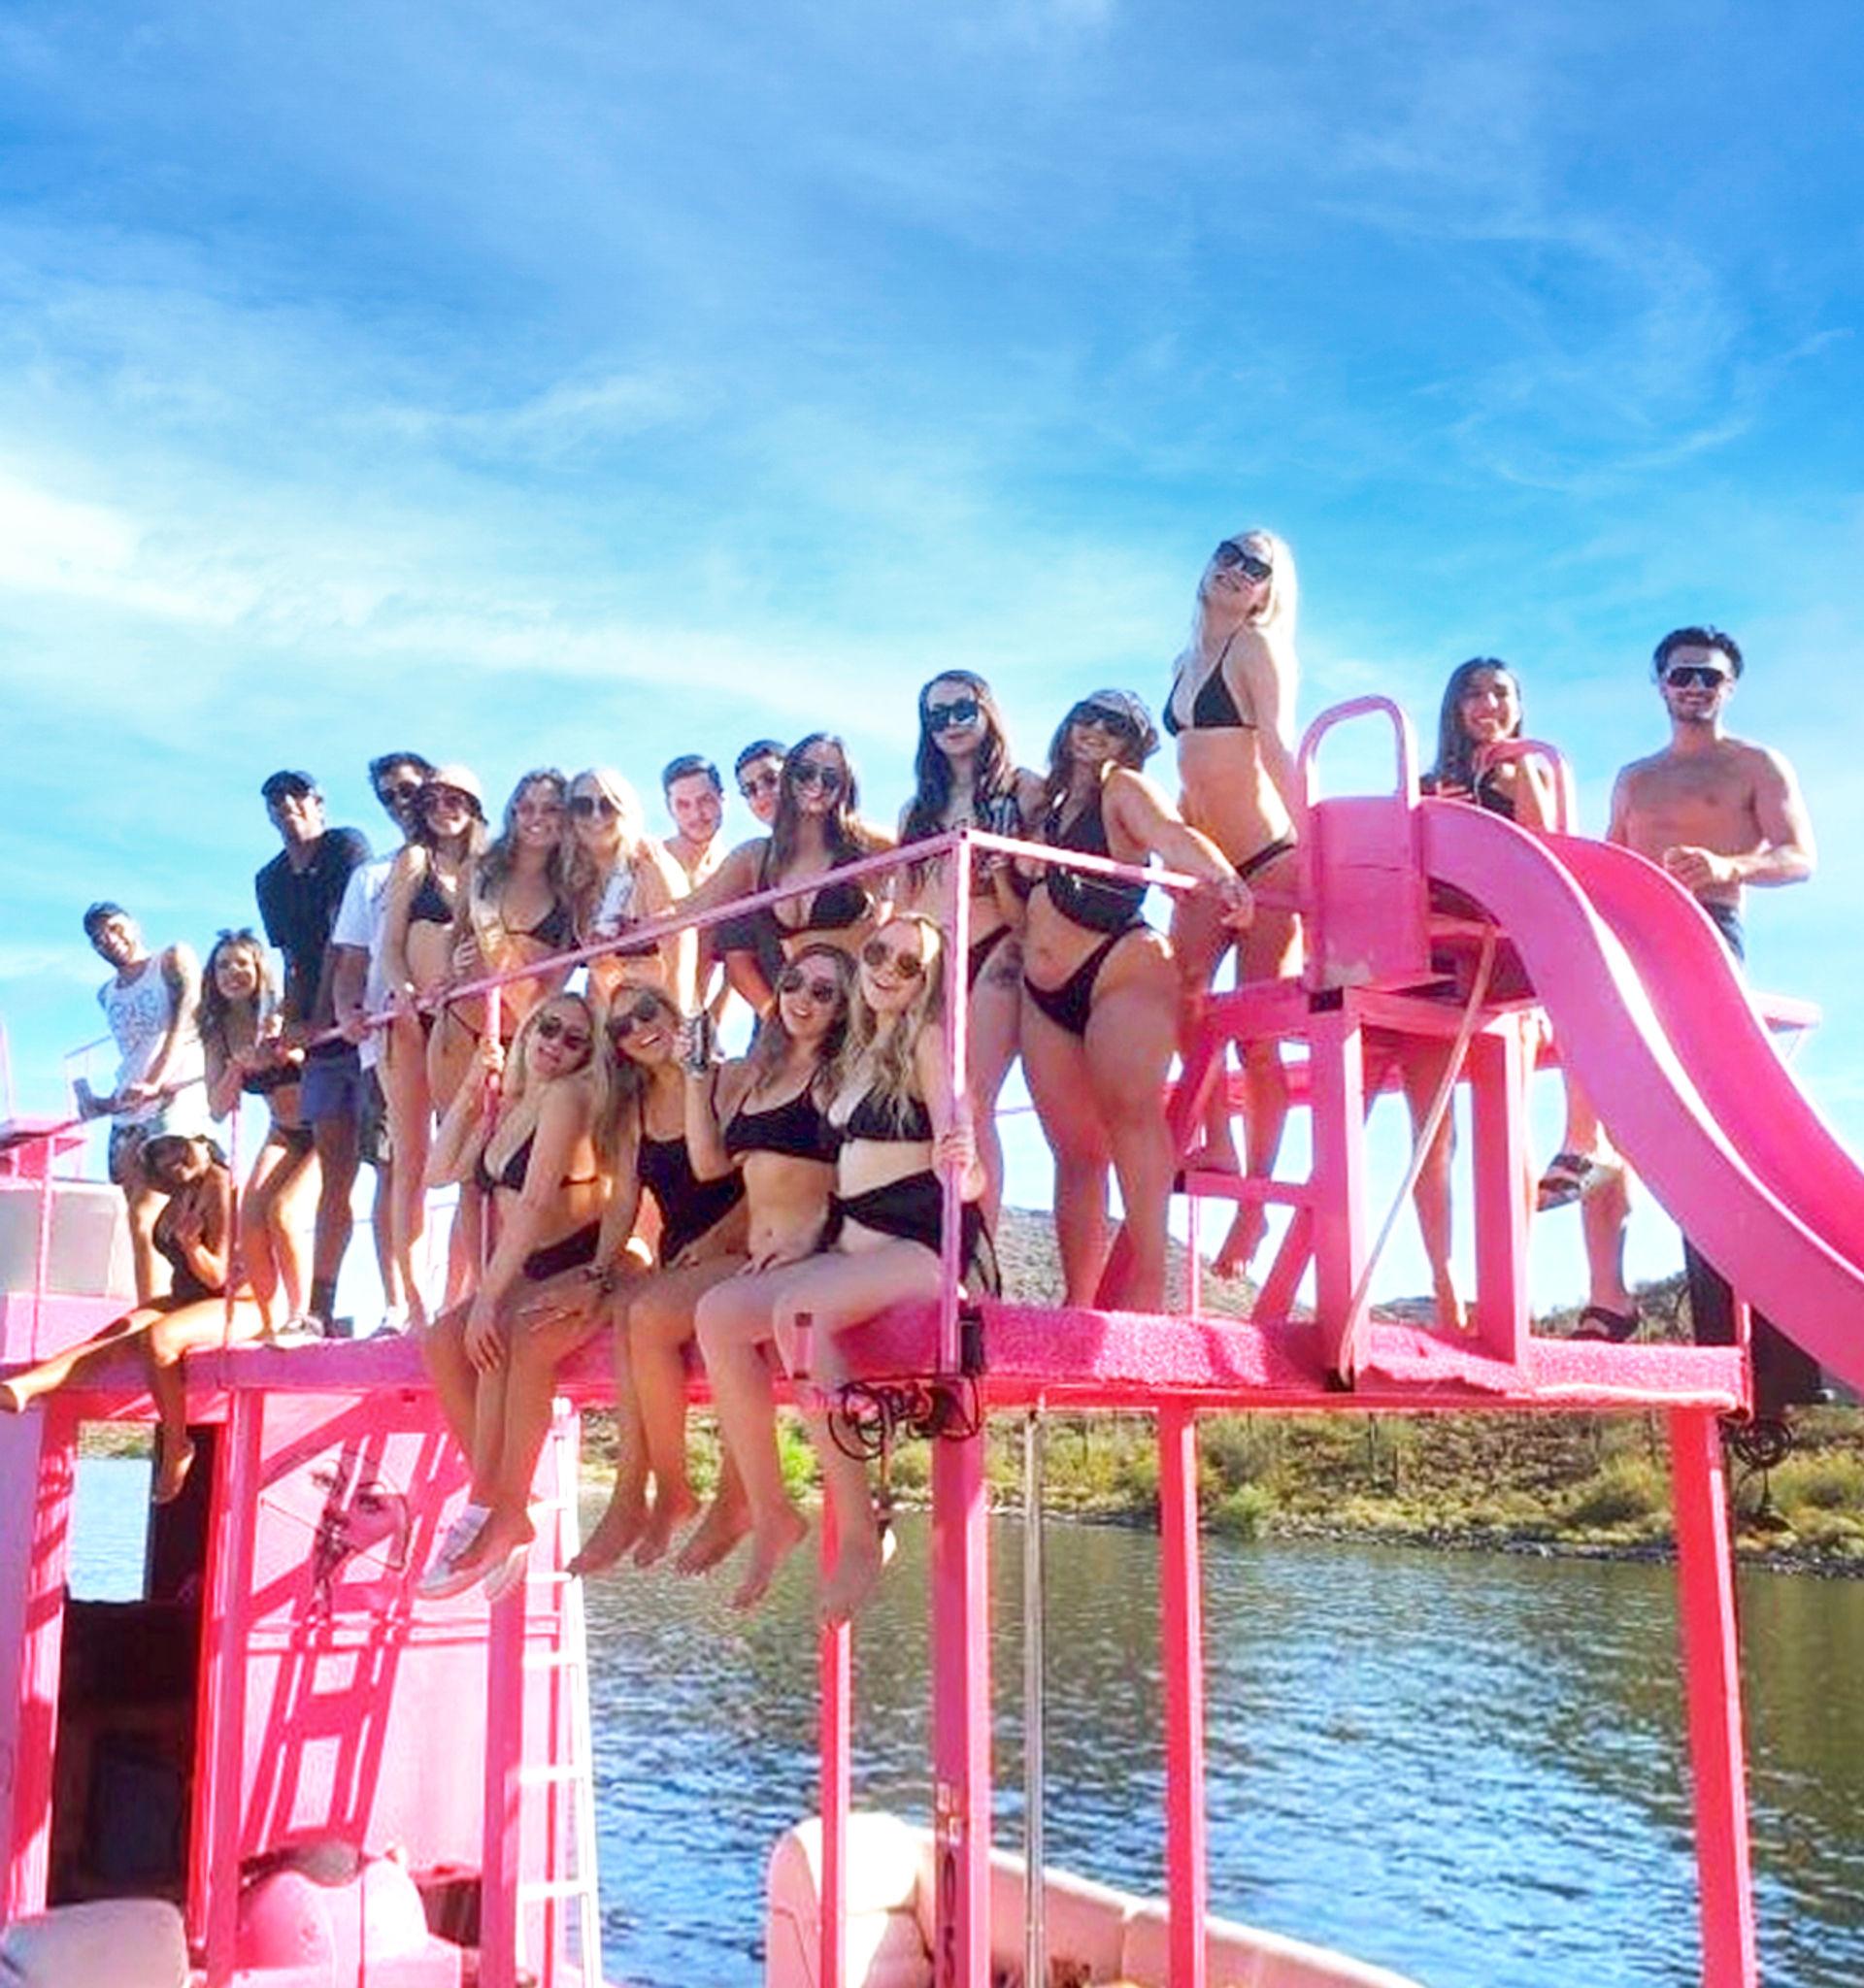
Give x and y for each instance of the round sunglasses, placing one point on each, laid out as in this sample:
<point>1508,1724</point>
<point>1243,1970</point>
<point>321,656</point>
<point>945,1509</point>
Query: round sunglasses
<point>876,955</point>
<point>552,1028</point>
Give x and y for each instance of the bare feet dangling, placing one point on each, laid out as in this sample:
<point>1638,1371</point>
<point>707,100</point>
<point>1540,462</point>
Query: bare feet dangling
<point>173,1462</point>
<point>616,1531</point>
<point>857,1571</point>
<point>771,1542</point>
<point>726,1521</point>
<point>668,1512</point>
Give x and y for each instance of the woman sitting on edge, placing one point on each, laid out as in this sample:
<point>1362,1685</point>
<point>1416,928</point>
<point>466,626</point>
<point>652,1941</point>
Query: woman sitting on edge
<point>621,877</point>
<point>766,1116</point>
<point>424,888</point>
<point>818,828</point>
<point>969,778</point>
<point>193,1232</point>
<point>1231,709</point>
<point>535,1154</point>
<point>702,1236</point>
<point>902,1126</point>
<point>241,1035</point>
<point>1099,994</point>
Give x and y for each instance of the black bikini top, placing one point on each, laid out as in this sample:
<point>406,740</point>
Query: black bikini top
<point>430,904</point>
<point>512,1173</point>
<point>873,1118</point>
<point>833,908</point>
<point>1097,903</point>
<point>555,929</point>
<point>1215,708</point>
<point>797,1128</point>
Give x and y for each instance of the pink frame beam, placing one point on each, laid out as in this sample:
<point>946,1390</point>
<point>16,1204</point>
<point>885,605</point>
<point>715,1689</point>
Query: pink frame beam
<point>1182,1640</point>
<point>1710,1659</point>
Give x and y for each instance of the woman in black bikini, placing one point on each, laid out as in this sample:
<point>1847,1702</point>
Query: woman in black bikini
<point>1099,994</point>
<point>818,828</point>
<point>759,1120</point>
<point>246,1053</point>
<point>193,1232</point>
<point>515,908</point>
<point>1231,709</point>
<point>902,1128</point>
<point>619,878</point>
<point>702,1223</point>
<point>425,889</point>
<point>535,1146</point>
<point>969,778</point>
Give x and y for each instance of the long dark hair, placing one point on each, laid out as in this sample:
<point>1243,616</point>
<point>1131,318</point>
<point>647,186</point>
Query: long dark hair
<point>994,779</point>
<point>497,859</point>
<point>216,1008</point>
<point>1456,749</point>
<point>766,1055</point>
<point>1135,749</point>
<point>842,829</point>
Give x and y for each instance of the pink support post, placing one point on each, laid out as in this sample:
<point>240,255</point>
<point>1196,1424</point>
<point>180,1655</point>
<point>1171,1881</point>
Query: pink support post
<point>838,1715</point>
<point>498,1870</point>
<point>219,1821</point>
<point>1499,1128</point>
<point>958,1036</point>
<point>42,1579</point>
<point>1706,1583</point>
<point>1182,1638</point>
<point>961,1714</point>
<point>1336,1088</point>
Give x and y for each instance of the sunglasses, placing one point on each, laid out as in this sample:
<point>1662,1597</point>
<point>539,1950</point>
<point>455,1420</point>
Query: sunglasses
<point>1229,557</point>
<point>1695,677</point>
<point>637,1015</point>
<point>593,807</point>
<point>552,1028</point>
<point>397,791</point>
<point>793,980</point>
<point>1105,717</point>
<point>961,710</point>
<point>435,798</point>
<point>812,774</point>
<point>876,955</point>
<point>760,784</point>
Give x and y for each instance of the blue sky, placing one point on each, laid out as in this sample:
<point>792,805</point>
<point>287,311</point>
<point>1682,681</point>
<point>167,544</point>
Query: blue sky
<point>573,382</point>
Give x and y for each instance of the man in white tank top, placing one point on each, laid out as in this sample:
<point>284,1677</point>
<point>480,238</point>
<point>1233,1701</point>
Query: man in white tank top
<point>149,1004</point>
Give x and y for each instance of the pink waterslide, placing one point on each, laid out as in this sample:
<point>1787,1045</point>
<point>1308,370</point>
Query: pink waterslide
<point>1651,1018</point>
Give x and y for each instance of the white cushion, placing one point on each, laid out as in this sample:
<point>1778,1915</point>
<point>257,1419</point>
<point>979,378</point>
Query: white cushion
<point>121,1943</point>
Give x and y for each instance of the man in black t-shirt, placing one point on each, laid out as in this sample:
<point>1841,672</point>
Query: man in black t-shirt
<point>299,892</point>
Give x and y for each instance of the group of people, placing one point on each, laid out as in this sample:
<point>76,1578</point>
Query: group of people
<point>614,1176</point>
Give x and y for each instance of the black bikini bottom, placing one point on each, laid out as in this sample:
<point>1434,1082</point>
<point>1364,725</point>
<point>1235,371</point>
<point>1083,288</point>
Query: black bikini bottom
<point>912,1210</point>
<point>575,1249</point>
<point>295,1140</point>
<point>979,956</point>
<point>1070,1004</point>
<point>1270,852</point>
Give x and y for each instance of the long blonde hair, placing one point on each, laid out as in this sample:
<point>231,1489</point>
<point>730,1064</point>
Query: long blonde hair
<point>625,1081</point>
<point>588,874</point>
<point>592,1075</point>
<point>888,1057</point>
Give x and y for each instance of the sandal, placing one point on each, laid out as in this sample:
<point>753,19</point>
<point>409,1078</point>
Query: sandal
<point>1570,1177</point>
<point>1600,1324</point>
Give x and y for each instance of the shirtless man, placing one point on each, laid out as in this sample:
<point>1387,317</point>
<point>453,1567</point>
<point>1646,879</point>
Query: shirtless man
<point>1719,814</point>
<point>695,799</point>
<point>151,1005</point>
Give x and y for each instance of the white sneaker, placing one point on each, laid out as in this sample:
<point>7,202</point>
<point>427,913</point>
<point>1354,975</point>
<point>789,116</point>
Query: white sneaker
<point>394,1321</point>
<point>444,1576</point>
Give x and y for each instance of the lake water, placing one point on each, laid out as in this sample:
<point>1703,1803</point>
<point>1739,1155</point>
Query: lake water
<point>1469,1766</point>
